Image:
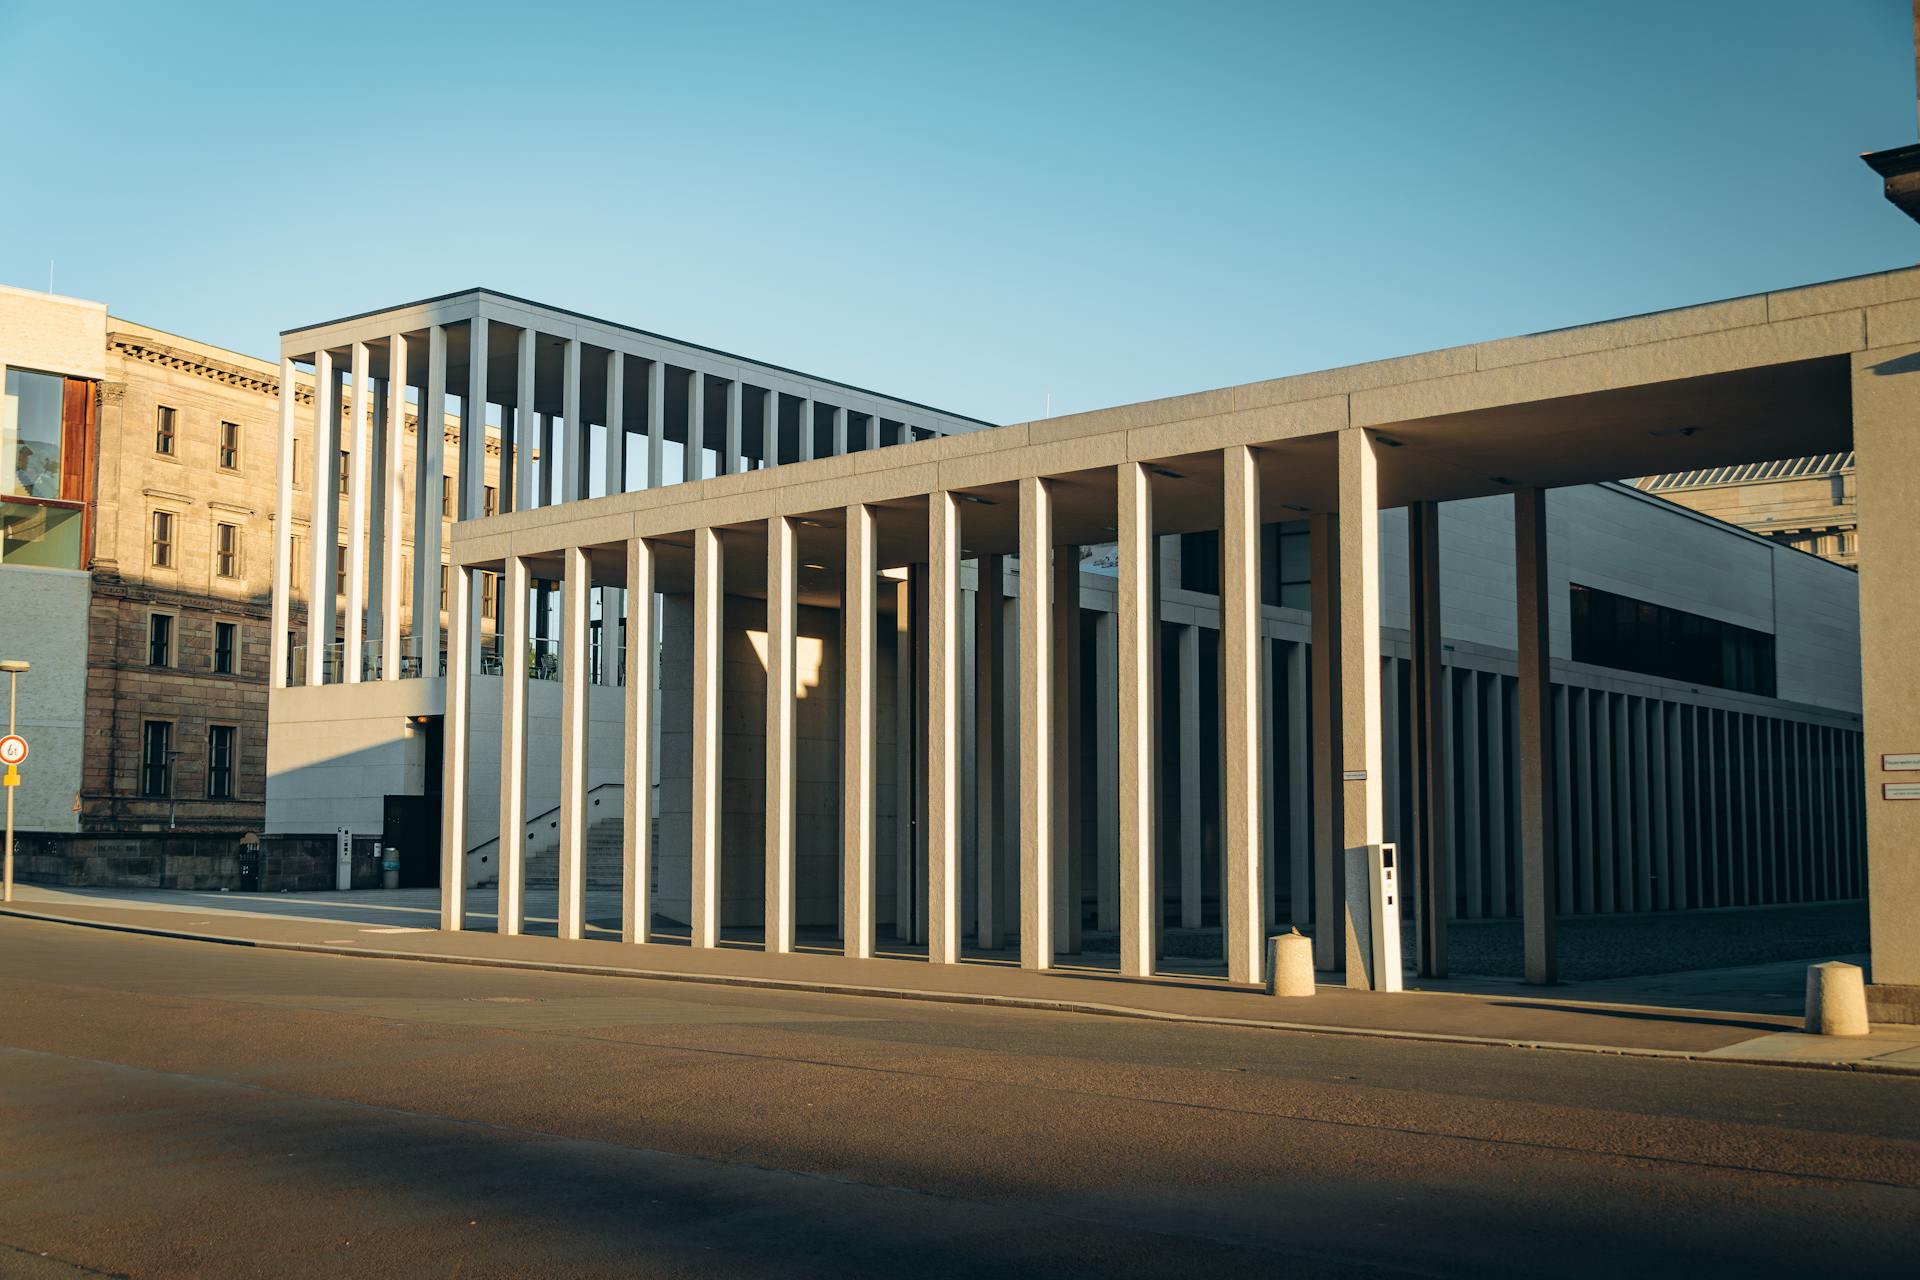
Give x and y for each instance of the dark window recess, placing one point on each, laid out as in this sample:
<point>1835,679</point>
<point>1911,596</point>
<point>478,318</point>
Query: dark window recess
<point>1200,562</point>
<point>156,761</point>
<point>224,634</point>
<point>1632,635</point>
<point>220,762</point>
<point>159,640</point>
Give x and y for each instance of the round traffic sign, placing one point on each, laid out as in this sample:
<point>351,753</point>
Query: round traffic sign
<point>13,749</point>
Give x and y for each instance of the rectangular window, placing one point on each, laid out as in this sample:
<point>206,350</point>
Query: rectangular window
<point>159,640</point>
<point>226,643</point>
<point>163,430</point>
<point>163,540</point>
<point>489,501</point>
<point>297,562</point>
<point>226,550</point>
<point>443,588</point>
<point>340,570</point>
<point>487,595</point>
<point>299,476</point>
<point>33,436</point>
<point>220,761</point>
<point>446,495</point>
<point>343,472</point>
<point>230,446</point>
<point>1632,635</point>
<point>156,760</point>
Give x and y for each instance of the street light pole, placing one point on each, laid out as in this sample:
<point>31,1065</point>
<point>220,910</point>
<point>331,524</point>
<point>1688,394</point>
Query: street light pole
<point>13,668</point>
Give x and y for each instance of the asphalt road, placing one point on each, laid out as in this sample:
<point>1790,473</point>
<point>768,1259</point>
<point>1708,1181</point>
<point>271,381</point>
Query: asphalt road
<point>181,1109</point>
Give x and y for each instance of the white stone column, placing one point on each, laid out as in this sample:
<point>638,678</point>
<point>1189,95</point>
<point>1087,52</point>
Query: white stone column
<point>990,849</point>
<point>526,428</point>
<point>393,467</point>
<point>359,449</point>
<point>782,684</point>
<point>696,466</point>
<point>1106,771</point>
<point>473,423</point>
<point>379,590</point>
<point>1137,620</point>
<point>513,745</point>
<point>656,423</point>
<point>576,586</point>
<point>1474,850</point>
<point>636,862</point>
<point>283,526</point>
<point>1329,869</point>
<point>614,461</point>
<point>709,629</point>
<point>1192,885</point>
<point>462,608</point>
<point>1427,853</point>
<point>1267,651</point>
<point>730,463</point>
<point>1067,770</point>
<point>320,521</point>
<point>1243,755</point>
<point>770,428</point>
<point>840,431</point>
<point>428,472</point>
<point>1538,892</point>
<point>858,775</point>
<point>1361,804</point>
<point>1036,724</point>
<point>573,476</point>
<point>806,429</point>
<point>943,729</point>
<point>905,661</point>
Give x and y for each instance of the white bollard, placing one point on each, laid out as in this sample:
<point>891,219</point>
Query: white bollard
<point>1836,1000</point>
<point>1290,964</point>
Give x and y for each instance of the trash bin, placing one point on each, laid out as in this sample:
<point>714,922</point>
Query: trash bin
<point>389,868</point>
<point>250,869</point>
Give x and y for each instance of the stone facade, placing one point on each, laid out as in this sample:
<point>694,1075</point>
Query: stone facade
<point>1805,503</point>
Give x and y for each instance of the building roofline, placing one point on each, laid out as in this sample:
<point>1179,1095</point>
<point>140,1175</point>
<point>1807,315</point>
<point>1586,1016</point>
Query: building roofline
<point>481,290</point>
<point>1668,504</point>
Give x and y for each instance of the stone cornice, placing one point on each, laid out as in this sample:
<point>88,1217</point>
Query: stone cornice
<point>139,347</point>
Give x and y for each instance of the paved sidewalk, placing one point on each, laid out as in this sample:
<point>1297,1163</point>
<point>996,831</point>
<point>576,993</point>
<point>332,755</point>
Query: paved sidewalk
<point>1756,1021</point>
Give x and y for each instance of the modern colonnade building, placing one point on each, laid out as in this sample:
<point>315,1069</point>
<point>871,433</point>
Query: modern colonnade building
<point>802,595</point>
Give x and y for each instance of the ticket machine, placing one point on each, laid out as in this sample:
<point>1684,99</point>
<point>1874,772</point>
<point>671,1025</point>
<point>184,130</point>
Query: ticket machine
<point>1373,905</point>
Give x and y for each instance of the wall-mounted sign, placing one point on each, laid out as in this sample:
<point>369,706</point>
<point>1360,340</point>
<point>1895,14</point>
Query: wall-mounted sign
<point>1354,775</point>
<point>1900,760</point>
<point>1900,791</point>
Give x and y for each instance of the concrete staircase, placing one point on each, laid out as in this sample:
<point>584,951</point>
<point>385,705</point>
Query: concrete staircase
<point>606,841</point>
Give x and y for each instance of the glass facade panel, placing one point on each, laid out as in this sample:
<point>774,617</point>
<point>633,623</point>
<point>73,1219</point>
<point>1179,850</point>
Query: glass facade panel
<point>30,433</point>
<point>1632,635</point>
<point>45,537</point>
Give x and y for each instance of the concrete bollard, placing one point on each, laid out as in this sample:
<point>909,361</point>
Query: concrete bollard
<point>1836,1000</point>
<point>1290,964</point>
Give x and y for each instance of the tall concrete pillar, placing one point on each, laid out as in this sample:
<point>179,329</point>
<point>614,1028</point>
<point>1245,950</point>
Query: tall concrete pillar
<point>1137,620</point>
<point>1243,753</point>
<point>575,586</point>
<point>549,456</point>
<point>511,863</point>
<point>656,423</point>
<point>696,460</point>
<point>943,728</point>
<point>1067,771</point>
<point>858,775</point>
<point>1106,771</point>
<point>709,624</point>
<point>359,452</point>
<point>429,470</point>
<point>473,423</point>
<point>1036,724</point>
<point>1329,864</point>
<point>615,461</point>
<point>990,847</point>
<point>1538,892</point>
<point>380,601</point>
<point>1428,852</point>
<point>905,660</point>
<point>1300,776</point>
<point>462,608</point>
<point>393,469</point>
<point>770,428</point>
<point>840,431</point>
<point>1361,803</point>
<point>1269,649</point>
<point>807,443</point>
<point>1192,832</point>
<point>573,474</point>
<point>320,520</point>
<point>730,463</point>
<point>636,863</point>
<point>283,574</point>
<point>782,686</point>
<point>525,430</point>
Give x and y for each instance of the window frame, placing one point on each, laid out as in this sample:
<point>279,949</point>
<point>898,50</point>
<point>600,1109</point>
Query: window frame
<point>171,644</point>
<point>222,450</point>
<point>232,770</point>
<point>166,431</point>
<point>165,765</point>
<point>237,569</point>
<point>233,650</point>
<point>160,551</point>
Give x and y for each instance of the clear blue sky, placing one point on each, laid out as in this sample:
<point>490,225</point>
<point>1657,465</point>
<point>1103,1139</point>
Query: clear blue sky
<point>973,205</point>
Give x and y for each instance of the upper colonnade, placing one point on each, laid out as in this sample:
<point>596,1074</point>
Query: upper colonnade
<point>574,408</point>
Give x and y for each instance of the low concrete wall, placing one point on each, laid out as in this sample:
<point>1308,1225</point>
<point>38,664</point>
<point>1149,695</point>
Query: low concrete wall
<point>171,860</point>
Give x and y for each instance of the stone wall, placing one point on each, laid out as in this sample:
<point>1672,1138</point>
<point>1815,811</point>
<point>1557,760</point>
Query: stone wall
<point>172,860</point>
